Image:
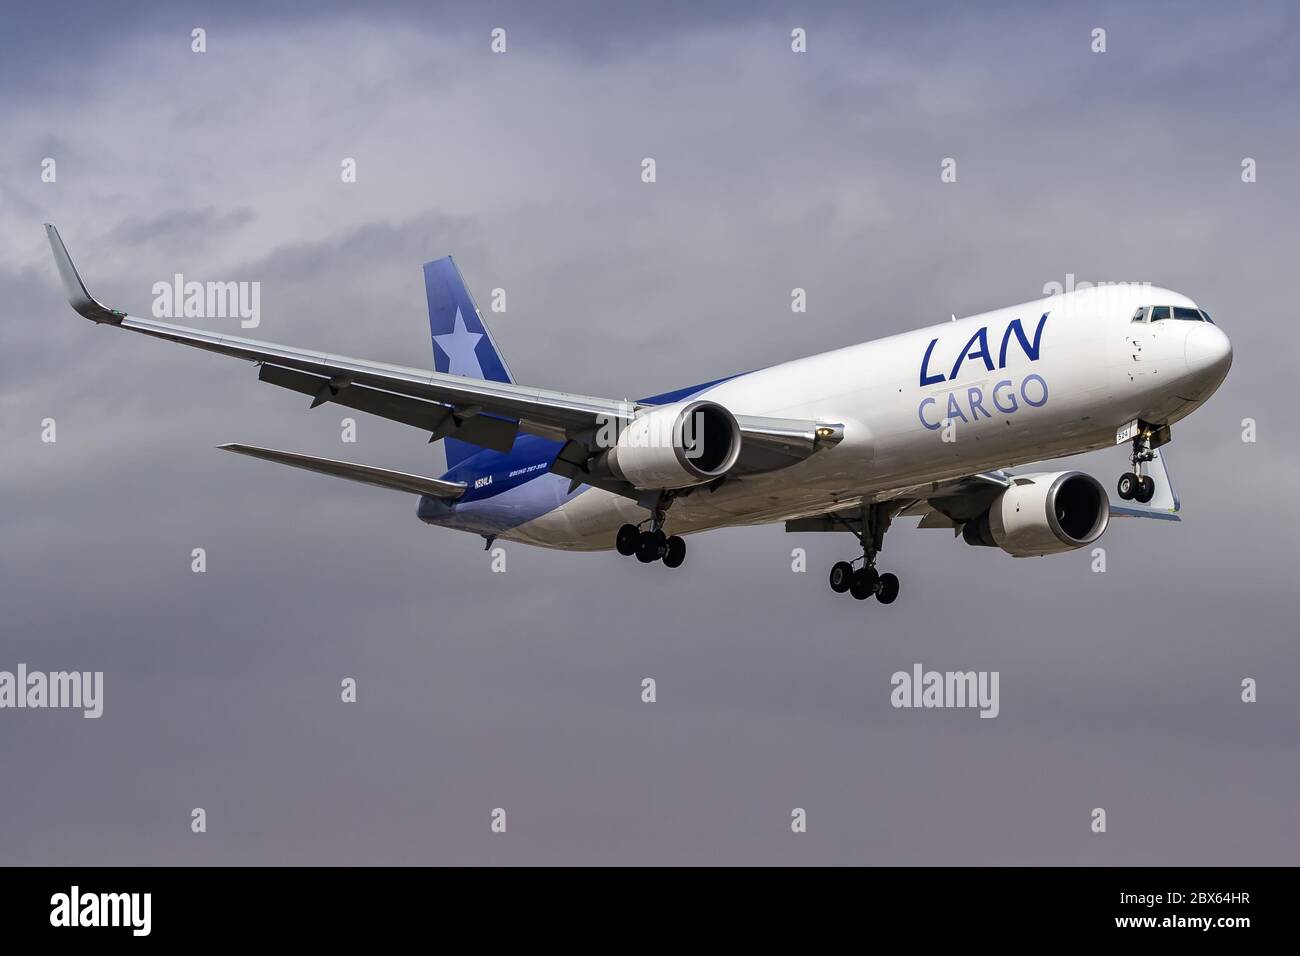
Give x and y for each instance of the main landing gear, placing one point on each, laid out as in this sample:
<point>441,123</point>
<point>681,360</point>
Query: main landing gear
<point>1135,484</point>
<point>651,544</point>
<point>865,581</point>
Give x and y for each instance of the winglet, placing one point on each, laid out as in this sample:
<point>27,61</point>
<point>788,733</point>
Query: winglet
<point>74,288</point>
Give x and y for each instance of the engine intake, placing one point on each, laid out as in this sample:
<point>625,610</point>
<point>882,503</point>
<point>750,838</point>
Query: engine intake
<point>1043,514</point>
<point>675,446</point>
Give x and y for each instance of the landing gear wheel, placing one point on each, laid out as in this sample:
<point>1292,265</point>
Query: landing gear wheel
<point>650,546</point>
<point>1128,486</point>
<point>627,539</point>
<point>887,588</point>
<point>864,582</point>
<point>674,552</point>
<point>841,576</point>
<point>1146,489</point>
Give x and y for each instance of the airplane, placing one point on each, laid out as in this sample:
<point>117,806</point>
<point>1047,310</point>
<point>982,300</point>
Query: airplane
<point>920,424</point>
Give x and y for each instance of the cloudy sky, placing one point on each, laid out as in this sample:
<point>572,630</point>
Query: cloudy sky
<point>522,690</point>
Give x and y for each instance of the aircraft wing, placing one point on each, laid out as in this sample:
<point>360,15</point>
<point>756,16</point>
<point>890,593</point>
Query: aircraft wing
<point>948,504</point>
<point>934,502</point>
<point>964,498</point>
<point>485,413</point>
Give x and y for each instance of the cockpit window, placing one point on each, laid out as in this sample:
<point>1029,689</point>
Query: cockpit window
<point>1158,313</point>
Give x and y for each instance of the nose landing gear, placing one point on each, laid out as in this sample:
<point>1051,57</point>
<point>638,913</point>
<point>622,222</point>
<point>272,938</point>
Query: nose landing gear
<point>1136,484</point>
<point>865,581</point>
<point>1141,487</point>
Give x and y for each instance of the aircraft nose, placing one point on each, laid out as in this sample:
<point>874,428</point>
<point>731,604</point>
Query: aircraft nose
<point>1208,354</point>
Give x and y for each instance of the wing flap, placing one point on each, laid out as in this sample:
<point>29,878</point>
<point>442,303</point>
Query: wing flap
<point>441,421</point>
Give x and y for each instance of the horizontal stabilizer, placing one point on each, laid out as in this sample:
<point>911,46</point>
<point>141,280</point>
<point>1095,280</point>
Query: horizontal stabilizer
<point>366,474</point>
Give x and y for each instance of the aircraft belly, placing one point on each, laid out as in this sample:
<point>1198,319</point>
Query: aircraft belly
<point>589,521</point>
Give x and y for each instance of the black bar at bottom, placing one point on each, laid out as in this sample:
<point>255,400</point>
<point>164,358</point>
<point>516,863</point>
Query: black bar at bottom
<point>652,905</point>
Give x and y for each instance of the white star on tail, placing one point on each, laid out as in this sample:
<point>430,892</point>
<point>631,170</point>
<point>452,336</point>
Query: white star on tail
<point>460,345</point>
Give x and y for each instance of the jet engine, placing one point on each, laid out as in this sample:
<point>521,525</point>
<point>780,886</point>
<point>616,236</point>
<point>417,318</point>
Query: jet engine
<point>1043,513</point>
<point>675,446</point>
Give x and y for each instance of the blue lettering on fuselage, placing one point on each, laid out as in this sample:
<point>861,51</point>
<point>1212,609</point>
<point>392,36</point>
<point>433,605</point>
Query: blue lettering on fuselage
<point>1007,396</point>
<point>1032,350</point>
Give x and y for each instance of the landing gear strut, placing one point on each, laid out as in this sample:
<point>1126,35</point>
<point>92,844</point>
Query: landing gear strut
<point>652,544</point>
<point>1137,484</point>
<point>865,581</point>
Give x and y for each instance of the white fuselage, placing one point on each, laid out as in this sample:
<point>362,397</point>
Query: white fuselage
<point>1090,370</point>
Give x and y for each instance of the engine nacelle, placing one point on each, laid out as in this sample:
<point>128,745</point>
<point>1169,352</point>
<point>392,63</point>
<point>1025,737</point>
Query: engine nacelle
<point>1043,514</point>
<point>675,446</point>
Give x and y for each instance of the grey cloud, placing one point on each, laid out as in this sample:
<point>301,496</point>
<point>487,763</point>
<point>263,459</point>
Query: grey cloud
<point>188,227</point>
